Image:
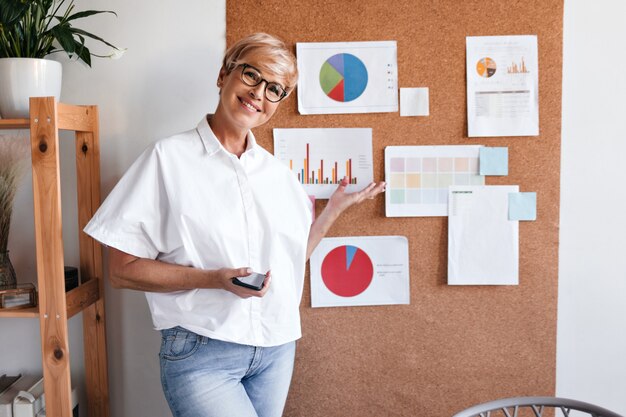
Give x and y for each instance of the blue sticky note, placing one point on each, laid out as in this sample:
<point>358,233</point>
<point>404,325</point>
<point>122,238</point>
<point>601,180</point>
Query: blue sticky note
<point>494,161</point>
<point>522,206</point>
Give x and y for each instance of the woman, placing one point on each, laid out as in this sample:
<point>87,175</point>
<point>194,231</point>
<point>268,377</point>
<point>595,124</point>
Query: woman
<point>203,207</point>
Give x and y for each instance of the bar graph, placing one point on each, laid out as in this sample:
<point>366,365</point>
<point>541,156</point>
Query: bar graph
<point>517,69</point>
<point>308,174</point>
<point>321,158</point>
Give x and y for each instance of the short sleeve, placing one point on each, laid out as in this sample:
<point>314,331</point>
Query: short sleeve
<point>136,216</point>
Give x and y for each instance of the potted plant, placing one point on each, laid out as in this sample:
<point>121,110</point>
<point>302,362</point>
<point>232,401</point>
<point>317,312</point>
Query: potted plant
<point>30,31</point>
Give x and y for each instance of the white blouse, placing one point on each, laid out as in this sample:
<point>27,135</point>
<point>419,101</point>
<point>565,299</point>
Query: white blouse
<point>188,201</point>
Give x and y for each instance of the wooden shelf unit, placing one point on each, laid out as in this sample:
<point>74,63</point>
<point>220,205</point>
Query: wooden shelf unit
<point>47,117</point>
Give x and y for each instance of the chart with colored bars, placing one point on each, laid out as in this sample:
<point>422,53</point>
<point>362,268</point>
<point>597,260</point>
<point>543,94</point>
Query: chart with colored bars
<point>310,175</point>
<point>360,270</point>
<point>321,158</point>
<point>514,68</point>
<point>347,77</point>
<point>343,77</point>
<point>418,177</point>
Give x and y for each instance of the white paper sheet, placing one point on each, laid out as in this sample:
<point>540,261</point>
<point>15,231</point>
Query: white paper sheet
<point>359,271</point>
<point>483,244</point>
<point>418,177</point>
<point>502,86</point>
<point>321,157</point>
<point>347,77</point>
<point>414,101</point>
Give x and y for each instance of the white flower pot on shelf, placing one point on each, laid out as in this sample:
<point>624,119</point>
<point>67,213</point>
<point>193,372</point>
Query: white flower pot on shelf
<point>22,78</point>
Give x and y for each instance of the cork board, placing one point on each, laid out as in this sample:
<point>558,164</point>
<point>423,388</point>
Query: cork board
<point>452,347</point>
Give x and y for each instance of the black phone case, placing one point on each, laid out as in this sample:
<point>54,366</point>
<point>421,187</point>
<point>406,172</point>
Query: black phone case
<point>236,281</point>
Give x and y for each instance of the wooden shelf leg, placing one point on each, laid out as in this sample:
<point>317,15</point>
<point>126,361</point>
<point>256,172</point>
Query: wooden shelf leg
<point>94,331</point>
<point>49,244</point>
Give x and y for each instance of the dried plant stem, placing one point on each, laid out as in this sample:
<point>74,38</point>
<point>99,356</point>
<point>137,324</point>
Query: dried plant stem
<point>13,151</point>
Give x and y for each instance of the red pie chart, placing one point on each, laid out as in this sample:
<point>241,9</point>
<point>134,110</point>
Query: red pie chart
<point>347,271</point>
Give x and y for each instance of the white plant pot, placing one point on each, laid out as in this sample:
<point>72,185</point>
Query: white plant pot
<point>22,78</point>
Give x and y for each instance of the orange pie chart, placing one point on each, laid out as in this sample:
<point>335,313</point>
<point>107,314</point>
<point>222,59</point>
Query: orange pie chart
<point>486,67</point>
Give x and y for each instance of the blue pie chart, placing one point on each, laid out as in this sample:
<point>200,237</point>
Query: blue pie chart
<point>343,77</point>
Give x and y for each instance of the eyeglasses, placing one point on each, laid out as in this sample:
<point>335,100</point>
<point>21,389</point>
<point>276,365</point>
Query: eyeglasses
<point>251,76</point>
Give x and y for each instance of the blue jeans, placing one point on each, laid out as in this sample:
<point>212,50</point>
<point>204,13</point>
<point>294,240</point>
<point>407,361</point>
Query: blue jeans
<point>211,378</point>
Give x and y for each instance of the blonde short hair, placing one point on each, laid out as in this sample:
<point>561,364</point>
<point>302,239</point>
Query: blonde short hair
<point>273,53</point>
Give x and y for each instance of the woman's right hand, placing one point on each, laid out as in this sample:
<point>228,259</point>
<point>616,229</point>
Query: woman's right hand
<point>226,276</point>
<point>134,273</point>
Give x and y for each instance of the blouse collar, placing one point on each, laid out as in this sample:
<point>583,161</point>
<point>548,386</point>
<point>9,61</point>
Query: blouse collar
<point>212,144</point>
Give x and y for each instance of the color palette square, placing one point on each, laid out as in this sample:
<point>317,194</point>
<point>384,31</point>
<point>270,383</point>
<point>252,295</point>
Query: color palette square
<point>418,177</point>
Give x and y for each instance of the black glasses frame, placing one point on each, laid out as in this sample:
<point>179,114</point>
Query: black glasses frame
<point>243,69</point>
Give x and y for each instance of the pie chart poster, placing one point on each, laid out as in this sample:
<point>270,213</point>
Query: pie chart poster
<point>360,271</point>
<point>347,77</point>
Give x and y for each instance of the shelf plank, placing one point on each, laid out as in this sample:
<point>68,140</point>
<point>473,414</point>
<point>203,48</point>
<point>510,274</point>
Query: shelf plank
<point>78,300</point>
<point>82,297</point>
<point>14,124</point>
<point>76,118</point>
<point>21,313</point>
<point>69,117</point>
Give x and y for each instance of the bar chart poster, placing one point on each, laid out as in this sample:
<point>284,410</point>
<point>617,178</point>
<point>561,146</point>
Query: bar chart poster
<point>360,271</point>
<point>347,77</point>
<point>320,158</point>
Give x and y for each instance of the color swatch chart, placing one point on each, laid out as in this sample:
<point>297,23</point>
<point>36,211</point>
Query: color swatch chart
<point>418,177</point>
<point>320,158</point>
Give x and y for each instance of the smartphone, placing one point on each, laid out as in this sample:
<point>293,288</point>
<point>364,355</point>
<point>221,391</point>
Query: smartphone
<point>253,281</point>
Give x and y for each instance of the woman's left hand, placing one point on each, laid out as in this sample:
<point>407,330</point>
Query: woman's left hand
<point>340,200</point>
<point>337,203</point>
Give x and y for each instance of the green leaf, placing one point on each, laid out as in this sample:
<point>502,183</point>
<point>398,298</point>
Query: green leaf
<point>12,11</point>
<point>82,51</point>
<point>86,13</point>
<point>63,34</point>
<point>82,32</point>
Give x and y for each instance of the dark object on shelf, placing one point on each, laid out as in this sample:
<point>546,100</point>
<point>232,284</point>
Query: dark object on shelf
<point>7,381</point>
<point>7,273</point>
<point>71,278</point>
<point>18,296</point>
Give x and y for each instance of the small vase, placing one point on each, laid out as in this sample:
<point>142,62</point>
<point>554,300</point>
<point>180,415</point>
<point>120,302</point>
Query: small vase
<point>7,273</point>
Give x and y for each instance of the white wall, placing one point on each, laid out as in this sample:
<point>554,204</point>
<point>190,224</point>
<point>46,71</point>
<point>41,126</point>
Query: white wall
<point>164,84</point>
<point>591,337</point>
